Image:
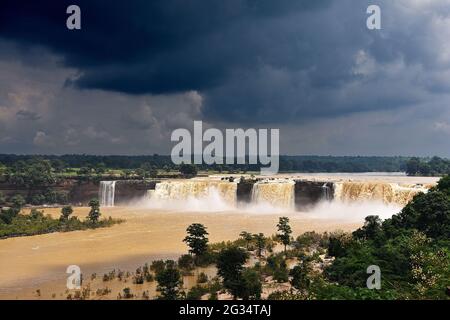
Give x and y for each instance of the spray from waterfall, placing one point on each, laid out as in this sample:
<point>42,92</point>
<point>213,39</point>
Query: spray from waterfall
<point>343,200</point>
<point>278,194</point>
<point>352,211</point>
<point>193,195</point>
<point>387,193</point>
<point>107,193</point>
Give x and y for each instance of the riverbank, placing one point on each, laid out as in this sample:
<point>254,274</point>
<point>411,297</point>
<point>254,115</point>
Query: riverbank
<point>40,262</point>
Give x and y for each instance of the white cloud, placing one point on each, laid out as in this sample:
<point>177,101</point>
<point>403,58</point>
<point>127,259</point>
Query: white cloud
<point>41,139</point>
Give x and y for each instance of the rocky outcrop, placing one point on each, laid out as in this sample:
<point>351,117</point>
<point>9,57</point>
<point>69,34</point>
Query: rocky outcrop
<point>309,193</point>
<point>81,192</point>
<point>129,190</point>
<point>244,190</point>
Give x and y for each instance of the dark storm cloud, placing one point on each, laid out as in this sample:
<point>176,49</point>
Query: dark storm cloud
<point>163,47</point>
<point>27,115</point>
<point>144,46</point>
<point>309,66</point>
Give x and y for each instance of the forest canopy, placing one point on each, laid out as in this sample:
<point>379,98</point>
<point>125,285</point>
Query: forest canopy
<point>287,163</point>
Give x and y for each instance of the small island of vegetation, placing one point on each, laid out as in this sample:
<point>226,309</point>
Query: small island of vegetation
<point>13,223</point>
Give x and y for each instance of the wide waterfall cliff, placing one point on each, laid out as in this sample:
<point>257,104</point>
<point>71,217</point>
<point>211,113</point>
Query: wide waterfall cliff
<point>352,191</point>
<point>197,189</point>
<point>279,194</point>
<point>223,194</point>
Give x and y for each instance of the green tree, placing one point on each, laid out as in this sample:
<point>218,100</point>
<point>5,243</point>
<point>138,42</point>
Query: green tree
<point>301,278</point>
<point>66,211</point>
<point>169,282</point>
<point>277,267</point>
<point>247,237</point>
<point>17,203</point>
<point>260,243</point>
<point>429,213</point>
<point>35,214</point>
<point>197,239</point>
<point>338,244</point>
<point>430,267</point>
<point>425,169</point>
<point>157,266</point>
<point>250,285</point>
<point>7,216</point>
<point>188,169</point>
<point>285,231</point>
<point>2,198</point>
<point>31,174</point>
<point>100,168</point>
<point>412,166</point>
<point>148,170</point>
<point>126,173</point>
<point>84,171</point>
<point>94,213</point>
<point>186,262</point>
<point>443,184</point>
<point>196,292</point>
<point>371,229</point>
<point>230,263</point>
<point>58,165</point>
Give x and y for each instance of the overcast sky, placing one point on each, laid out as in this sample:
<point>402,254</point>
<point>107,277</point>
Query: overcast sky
<point>139,69</point>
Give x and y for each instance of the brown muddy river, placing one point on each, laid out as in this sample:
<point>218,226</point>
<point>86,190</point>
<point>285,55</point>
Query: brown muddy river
<point>39,262</point>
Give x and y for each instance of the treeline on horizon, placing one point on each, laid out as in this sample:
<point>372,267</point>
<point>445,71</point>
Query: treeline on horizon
<point>433,167</point>
<point>309,163</point>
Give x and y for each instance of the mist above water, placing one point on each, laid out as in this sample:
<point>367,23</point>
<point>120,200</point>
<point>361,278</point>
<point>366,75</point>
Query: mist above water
<point>349,201</point>
<point>213,202</point>
<point>352,211</point>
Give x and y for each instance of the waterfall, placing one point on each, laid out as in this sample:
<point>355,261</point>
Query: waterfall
<point>351,191</point>
<point>107,193</point>
<point>280,194</point>
<point>195,189</point>
<point>403,194</point>
<point>326,192</point>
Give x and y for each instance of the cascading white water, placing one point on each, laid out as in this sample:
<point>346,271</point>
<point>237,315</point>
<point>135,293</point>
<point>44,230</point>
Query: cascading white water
<point>273,195</point>
<point>278,194</point>
<point>326,192</point>
<point>107,193</point>
<point>354,191</point>
<point>194,194</point>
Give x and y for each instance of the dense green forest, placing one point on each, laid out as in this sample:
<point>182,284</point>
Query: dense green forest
<point>162,162</point>
<point>434,167</point>
<point>412,250</point>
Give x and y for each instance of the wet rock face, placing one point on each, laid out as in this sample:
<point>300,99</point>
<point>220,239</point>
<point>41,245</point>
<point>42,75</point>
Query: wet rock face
<point>129,190</point>
<point>82,192</point>
<point>244,191</point>
<point>309,193</point>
